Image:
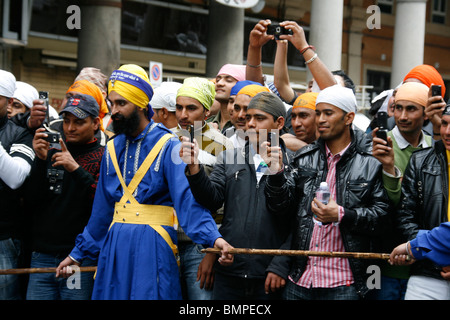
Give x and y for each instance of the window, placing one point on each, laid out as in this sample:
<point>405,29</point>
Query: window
<point>50,16</point>
<point>379,80</point>
<point>15,17</point>
<point>164,27</point>
<point>438,11</point>
<point>386,6</point>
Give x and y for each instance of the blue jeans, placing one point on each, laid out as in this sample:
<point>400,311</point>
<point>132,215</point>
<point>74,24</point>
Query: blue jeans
<point>295,292</point>
<point>238,288</point>
<point>391,289</point>
<point>9,257</point>
<point>45,286</point>
<point>190,258</point>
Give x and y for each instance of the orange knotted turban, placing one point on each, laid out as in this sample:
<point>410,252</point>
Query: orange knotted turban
<point>86,87</point>
<point>426,74</point>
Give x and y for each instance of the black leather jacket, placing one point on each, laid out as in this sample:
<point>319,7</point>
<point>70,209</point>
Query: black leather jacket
<point>424,200</point>
<point>359,190</point>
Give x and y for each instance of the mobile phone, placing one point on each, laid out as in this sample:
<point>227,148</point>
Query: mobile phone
<point>382,118</point>
<point>272,138</point>
<point>436,90</point>
<point>52,137</point>
<point>191,132</point>
<point>43,95</point>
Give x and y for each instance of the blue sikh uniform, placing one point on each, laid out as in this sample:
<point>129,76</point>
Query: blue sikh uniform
<point>135,261</point>
<point>433,244</point>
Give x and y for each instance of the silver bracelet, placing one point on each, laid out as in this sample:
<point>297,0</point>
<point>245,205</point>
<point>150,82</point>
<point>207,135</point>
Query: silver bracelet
<point>314,57</point>
<point>253,66</point>
<point>408,256</point>
<point>73,259</point>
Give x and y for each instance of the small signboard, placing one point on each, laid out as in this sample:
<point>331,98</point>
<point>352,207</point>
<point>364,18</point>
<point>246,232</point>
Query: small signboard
<point>155,73</point>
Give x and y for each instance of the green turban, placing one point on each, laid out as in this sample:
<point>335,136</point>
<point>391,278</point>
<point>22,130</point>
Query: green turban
<point>200,89</point>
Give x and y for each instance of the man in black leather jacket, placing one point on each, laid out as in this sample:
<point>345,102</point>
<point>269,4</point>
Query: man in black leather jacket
<point>424,205</point>
<point>238,182</point>
<point>355,214</point>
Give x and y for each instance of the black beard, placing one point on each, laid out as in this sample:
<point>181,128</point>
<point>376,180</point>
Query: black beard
<point>126,125</point>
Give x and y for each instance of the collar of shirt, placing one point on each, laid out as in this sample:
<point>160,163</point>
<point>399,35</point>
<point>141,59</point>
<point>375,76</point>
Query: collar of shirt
<point>331,155</point>
<point>258,162</point>
<point>402,143</point>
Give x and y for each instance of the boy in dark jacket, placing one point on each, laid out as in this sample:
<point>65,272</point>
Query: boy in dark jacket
<point>238,181</point>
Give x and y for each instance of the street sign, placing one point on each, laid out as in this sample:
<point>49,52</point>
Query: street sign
<point>244,4</point>
<point>156,73</point>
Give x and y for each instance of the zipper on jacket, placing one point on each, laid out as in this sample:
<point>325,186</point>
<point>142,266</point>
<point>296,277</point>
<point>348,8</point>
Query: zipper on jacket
<point>236,174</point>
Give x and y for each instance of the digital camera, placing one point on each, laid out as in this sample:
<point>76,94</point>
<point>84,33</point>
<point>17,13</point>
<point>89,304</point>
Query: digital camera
<point>277,30</point>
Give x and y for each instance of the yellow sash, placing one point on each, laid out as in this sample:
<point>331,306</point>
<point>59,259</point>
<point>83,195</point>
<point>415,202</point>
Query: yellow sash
<point>133,212</point>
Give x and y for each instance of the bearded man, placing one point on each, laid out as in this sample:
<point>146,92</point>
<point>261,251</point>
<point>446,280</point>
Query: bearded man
<point>132,229</point>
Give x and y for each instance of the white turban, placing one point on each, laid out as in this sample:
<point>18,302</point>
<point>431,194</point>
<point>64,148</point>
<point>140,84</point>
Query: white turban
<point>7,84</point>
<point>338,96</point>
<point>165,96</point>
<point>25,93</point>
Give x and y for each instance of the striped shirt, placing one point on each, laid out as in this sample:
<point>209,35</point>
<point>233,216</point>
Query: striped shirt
<point>324,272</point>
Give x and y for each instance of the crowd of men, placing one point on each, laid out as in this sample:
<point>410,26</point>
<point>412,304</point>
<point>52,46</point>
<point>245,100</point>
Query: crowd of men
<point>135,181</point>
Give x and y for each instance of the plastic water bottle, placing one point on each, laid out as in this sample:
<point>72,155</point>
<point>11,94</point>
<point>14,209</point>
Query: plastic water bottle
<point>323,195</point>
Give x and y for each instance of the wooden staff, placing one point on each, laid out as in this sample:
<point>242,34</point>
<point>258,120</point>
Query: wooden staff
<point>330,254</point>
<point>41,270</point>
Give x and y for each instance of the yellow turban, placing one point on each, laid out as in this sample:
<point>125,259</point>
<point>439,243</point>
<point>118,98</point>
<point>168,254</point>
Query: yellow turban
<point>132,82</point>
<point>306,100</point>
<point>200,89</point>
<point>89,88</point>
<point>253,89</point>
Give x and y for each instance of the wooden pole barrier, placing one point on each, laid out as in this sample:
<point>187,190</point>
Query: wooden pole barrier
<point>330,254</point>
<point>41,270</point>
<point>275,252</point>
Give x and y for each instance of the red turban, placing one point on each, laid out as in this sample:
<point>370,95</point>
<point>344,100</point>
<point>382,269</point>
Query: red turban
<point>428,75</point>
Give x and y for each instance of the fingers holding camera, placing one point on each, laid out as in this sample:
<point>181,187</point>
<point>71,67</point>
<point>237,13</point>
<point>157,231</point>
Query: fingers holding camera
<point>434,108</point>
<point>38,113</point>
<point>273,157</point>
<point>189,154</point>
<point>382,150</point>
<point>40,145</point>
<point>297,38</point>
<point>258,35</point>
<point>64,158</point>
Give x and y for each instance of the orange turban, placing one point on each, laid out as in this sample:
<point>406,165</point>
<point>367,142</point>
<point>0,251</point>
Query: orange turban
<point>428,75</point>
<point>306,100</point>
<point>86,87</point>
<point>253,89</point>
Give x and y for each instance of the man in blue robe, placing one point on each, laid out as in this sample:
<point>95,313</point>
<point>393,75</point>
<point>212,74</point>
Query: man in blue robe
<point>142,195</point>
